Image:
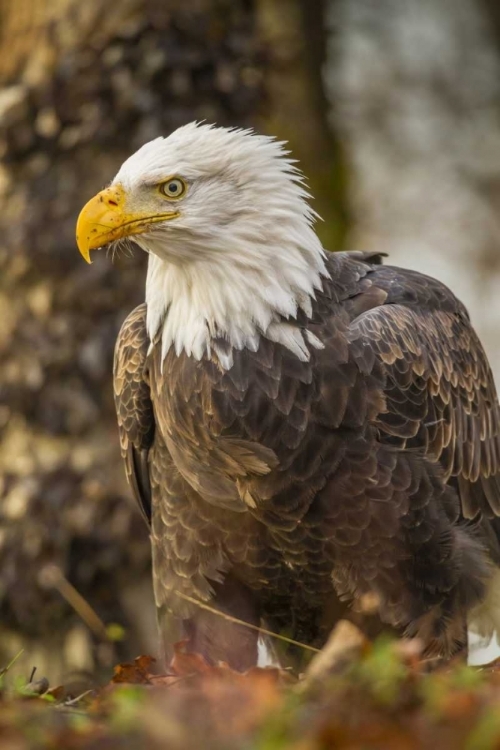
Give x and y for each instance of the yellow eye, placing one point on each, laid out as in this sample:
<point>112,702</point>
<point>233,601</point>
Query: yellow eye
<point>174,188</point>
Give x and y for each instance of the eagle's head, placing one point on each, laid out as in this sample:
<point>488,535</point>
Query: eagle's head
<point>225,217</point>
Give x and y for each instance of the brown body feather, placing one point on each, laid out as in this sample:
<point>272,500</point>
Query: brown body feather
<point>278,485</point>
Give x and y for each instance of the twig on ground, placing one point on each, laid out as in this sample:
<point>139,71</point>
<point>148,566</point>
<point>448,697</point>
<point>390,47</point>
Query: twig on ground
<point>54,577</point>
<point>345,644</point>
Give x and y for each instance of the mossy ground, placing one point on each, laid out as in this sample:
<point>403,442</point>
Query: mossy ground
<point>385,697</point>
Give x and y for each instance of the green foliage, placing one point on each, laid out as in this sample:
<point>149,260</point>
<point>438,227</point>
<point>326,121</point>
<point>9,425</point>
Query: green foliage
<point>382,671</point>
<point>381,696</point>
<point>276,732</point>
<point>486,734</point>
<point>438,690</point>
<point>115,632</point>
<point>125,707</point>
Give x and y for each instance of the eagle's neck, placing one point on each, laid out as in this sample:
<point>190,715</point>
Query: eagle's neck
<point>237,296</point>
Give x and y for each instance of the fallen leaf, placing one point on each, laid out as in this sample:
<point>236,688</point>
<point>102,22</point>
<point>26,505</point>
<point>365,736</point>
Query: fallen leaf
<point>136,674</point>
<point>185,663</point>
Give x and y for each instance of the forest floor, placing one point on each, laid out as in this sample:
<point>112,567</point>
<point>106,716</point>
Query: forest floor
<point>354,695</point>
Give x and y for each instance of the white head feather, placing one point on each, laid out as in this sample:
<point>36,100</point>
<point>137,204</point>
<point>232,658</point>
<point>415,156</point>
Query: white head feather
<point>241,255</point>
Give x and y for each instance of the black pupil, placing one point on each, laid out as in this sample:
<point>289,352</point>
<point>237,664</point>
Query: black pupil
<point>173,187</point>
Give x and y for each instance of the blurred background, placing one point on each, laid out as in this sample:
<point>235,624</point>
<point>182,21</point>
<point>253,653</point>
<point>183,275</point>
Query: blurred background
<point>392,108</point>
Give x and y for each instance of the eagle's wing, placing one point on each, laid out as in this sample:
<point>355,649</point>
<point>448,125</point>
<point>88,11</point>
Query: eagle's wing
<point>133,405</point>
<point>439,393</point>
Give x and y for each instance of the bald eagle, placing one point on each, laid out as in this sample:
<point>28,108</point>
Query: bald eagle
<point>296,426</point>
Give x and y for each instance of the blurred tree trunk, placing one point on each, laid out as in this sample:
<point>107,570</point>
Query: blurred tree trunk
<point>297,108</point>
<point>491,9</point>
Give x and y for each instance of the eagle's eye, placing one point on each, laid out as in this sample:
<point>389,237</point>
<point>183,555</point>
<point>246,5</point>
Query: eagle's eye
<point>173,188</point>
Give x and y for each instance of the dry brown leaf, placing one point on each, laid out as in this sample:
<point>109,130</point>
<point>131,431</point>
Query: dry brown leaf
<point>136,674</point>
<point>185,663</point>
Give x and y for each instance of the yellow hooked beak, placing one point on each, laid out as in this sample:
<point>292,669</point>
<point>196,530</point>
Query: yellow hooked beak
<point>105,219</point>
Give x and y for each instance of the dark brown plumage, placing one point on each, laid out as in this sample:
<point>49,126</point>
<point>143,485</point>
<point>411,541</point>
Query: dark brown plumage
<point>277,485</point>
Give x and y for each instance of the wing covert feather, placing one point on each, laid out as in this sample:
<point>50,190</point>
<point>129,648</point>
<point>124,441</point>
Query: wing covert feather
<point>440,396</point>
<point>134,409</point>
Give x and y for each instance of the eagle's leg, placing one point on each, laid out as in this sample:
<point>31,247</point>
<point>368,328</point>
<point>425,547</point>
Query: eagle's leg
<point>221,639</point>
<point>212,633</point>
